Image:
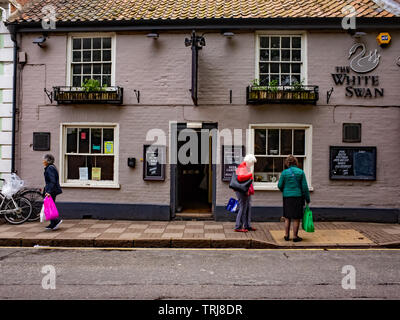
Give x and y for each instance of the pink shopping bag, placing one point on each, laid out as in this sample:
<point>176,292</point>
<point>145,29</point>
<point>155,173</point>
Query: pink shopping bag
<point>50,209</point>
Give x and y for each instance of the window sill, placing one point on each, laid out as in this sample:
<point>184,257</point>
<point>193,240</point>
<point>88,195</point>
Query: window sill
<point>90,185</point>
<point>271,187</point>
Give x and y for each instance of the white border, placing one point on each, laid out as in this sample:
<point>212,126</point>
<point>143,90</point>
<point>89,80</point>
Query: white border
<point>113,36</point>
<point>271,186</point>
<point>89,184</point>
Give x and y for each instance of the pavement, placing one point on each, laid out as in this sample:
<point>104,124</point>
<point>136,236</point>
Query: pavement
<point>196,234</point>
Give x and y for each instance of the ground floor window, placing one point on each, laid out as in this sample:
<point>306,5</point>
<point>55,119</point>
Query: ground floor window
<point>271,144</point>
<point>90,154</point>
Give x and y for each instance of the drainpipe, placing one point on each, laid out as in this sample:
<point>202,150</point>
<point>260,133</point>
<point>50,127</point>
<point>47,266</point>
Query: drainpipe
<point>13,32</point>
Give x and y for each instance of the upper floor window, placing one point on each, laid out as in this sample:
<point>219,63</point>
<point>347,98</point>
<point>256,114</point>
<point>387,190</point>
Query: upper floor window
<point>91,57</point>
<point>280,59</point>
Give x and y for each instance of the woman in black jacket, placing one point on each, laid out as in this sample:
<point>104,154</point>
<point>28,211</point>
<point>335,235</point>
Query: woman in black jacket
<point>52,188</point>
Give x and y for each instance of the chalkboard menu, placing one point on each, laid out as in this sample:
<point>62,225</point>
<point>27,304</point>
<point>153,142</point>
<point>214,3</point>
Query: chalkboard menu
<point>154,162</point>
<point>352,163</point>
<point>232,156</point>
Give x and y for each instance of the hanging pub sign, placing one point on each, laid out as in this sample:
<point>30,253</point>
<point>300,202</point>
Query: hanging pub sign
<point>352,163</point>
<point>154,162</point>
<point>359,85</point>
<point>232,156</point>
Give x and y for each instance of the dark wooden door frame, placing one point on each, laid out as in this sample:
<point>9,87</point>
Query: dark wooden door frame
<point>174,188</point>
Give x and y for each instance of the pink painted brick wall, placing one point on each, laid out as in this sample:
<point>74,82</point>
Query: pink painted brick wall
<point>161,70</point>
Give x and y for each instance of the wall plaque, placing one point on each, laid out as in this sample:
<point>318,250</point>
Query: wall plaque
<point>154,162</point>
<point>352,163</point>
<point>232,156</point>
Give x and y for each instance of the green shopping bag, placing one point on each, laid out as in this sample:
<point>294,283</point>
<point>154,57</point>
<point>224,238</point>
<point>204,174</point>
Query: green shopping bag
<point>307,223</point>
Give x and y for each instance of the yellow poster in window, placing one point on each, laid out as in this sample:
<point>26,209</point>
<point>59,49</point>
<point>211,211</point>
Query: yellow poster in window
<point>109,147</point>
<point>96,174</point>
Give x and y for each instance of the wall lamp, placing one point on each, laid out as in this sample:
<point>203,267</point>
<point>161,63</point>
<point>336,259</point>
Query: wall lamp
<point>40,41</point>
<point>195,41</point>
<point>228,34</point>
<point>153,35</point>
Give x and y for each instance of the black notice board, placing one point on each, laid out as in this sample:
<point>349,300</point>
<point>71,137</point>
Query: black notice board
<point>232,156</point>
<point>352,163</point>
<point>154,162</point>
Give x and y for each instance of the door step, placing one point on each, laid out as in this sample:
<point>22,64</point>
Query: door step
<point>190,216</point>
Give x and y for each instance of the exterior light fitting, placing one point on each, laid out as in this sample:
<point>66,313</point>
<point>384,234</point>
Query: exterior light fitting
<point>153,35</point>
<point>228,34</point>
<point>40,41</point>
<point>359,34</point>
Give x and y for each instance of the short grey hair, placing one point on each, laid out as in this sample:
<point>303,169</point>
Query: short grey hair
<point>49,158</point>
<point>250,158</point>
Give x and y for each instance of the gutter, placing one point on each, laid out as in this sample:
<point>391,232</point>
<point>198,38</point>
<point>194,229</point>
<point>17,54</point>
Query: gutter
<point>211,24</point>
<point>13,32</point>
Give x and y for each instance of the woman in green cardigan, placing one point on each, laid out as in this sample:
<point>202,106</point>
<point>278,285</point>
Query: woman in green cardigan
<point>294,187</point>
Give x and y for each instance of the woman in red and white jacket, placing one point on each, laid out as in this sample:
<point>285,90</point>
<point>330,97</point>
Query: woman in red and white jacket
<point>244,173</point>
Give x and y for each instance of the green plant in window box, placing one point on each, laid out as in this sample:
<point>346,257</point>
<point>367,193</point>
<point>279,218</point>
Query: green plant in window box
<point>94,90</point>
<point>256,91</point>
<point>273,90</point>
<point>299,91</point>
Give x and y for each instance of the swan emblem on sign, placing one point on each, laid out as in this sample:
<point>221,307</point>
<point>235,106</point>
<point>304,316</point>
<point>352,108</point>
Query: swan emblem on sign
<point>362,63</point>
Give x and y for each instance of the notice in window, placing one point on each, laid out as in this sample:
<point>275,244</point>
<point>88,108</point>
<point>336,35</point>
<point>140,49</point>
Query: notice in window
<point>84,173</point>
<point>96,174</point>
<point>109,147</point>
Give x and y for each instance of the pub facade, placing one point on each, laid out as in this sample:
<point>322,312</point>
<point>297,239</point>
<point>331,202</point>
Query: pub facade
<point>148,108</point>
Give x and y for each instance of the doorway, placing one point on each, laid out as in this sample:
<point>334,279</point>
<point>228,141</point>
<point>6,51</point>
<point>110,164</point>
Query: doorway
<point>193,171</point>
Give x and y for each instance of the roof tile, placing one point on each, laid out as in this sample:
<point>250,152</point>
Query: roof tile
<point>107,10</point>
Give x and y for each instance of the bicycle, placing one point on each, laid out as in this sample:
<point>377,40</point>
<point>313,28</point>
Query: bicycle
<point>35,197</point>
<point>16,210</point>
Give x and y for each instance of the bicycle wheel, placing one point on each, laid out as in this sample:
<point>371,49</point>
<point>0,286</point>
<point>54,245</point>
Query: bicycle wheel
<point>36,199</point>
<point>22,213</point>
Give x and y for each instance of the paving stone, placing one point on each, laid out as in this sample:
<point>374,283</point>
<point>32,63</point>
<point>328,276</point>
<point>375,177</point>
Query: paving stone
<point>187,230</point>
<point>153,230</point>
<point>210,226</point>
<point>172,235</point>
<point>9,234</point>
<point>214,235</point>
<point>101,225</point>
<point>75,230</point>
<point>114,230</point>
<point>129,236</point>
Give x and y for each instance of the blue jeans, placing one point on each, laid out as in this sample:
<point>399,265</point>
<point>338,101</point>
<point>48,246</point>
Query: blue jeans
<point>243,218</point>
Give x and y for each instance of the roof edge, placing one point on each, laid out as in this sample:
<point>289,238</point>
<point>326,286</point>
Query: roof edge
<point>215,23</point>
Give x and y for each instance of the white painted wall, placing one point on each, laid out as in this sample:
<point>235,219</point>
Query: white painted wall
<point>6,86</point>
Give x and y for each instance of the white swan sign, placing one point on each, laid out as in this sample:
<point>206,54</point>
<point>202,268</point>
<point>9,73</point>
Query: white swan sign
<point>359,85</point>
<point>362,63</point>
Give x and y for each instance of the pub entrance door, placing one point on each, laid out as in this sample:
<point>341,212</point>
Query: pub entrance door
<point>193,174</point>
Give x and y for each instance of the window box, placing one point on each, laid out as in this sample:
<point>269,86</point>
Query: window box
<point>282,94</point>
<point>76,95</point>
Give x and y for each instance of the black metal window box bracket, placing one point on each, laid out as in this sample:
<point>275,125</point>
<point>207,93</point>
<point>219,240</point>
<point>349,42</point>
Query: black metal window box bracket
<point>305,94</point>
<point>78,95</point>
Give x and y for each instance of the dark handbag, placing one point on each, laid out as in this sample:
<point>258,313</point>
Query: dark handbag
<point>239,186</point>
<point>303,198</point>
